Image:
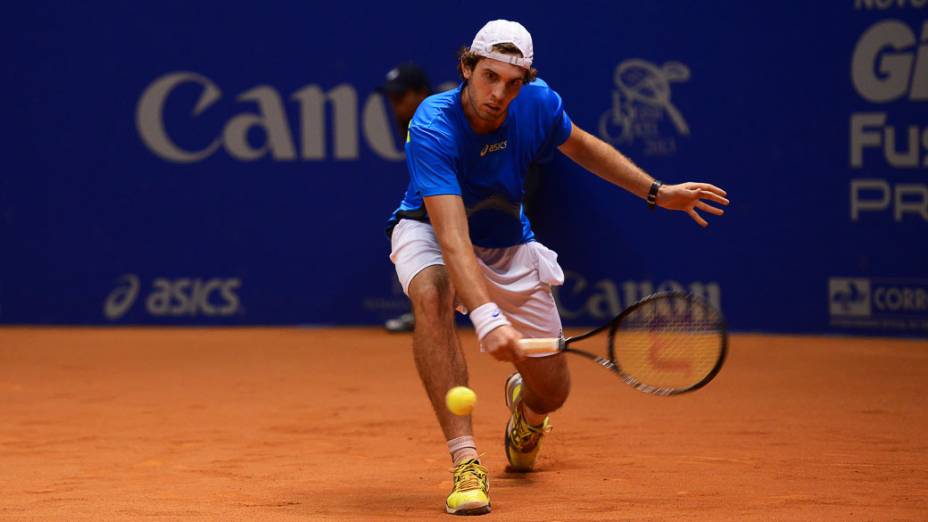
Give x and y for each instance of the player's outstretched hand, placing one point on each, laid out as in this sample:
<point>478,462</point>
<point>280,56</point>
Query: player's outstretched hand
<point>691,196</point>
<point>503,344</point>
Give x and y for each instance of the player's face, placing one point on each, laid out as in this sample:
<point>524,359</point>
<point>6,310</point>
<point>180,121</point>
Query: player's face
<point>491,87</point>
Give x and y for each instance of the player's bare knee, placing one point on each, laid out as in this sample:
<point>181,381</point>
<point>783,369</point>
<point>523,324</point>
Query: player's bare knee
<point>547,403</point>
<point>431,294</point>
<point>549,395</point>
<point>555,397</point>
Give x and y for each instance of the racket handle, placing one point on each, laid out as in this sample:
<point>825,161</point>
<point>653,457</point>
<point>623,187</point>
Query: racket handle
<point>540,346</point>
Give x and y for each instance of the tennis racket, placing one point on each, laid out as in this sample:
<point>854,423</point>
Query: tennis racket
<point>665,344</point>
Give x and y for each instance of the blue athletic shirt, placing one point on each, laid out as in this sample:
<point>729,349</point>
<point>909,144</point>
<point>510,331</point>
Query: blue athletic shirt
<point>445,156</point>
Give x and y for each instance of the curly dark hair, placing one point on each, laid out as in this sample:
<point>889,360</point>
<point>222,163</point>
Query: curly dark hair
<point>469,59</point>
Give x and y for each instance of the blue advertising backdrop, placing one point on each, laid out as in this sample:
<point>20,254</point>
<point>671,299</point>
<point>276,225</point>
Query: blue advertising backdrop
<point>232,163</point>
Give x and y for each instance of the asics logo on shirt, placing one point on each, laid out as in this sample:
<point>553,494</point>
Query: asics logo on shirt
<point>493,148</point>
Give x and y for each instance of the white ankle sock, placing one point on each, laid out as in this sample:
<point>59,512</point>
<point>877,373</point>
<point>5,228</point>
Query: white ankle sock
<point>462,448</point>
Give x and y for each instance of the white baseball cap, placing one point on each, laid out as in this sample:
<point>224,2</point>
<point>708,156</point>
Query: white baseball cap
<point>504,31</point>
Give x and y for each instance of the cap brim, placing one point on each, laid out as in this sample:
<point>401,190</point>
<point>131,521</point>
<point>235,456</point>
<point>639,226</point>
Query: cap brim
<point>392,88</point>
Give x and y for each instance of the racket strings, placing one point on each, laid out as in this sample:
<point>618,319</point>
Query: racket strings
<point>669,343</point>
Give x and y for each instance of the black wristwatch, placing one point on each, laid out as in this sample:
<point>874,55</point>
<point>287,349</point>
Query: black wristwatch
<point>652,194</point>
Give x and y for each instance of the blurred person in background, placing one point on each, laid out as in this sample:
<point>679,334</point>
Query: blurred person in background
<point>405,86</point>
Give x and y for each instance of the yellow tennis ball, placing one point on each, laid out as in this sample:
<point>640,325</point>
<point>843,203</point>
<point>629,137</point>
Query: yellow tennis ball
<point>460,400</point>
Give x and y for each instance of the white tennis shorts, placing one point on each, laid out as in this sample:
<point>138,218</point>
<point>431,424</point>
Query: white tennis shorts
<point>519,278</point>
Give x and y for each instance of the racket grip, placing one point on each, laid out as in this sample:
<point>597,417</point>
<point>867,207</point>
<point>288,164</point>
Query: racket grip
<point>540,346</point>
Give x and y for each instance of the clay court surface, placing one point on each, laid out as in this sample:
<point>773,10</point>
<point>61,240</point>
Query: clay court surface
<point>314,424</point>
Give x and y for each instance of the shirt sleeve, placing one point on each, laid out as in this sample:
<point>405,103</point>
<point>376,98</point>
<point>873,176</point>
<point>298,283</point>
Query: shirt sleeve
<point>555,122</point>
<point>431,164</point>
<point>560,121</point>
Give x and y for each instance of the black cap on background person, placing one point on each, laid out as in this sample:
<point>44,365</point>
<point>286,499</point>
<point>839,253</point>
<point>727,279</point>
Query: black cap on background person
<point>405,86</point>
<point>405,77</point>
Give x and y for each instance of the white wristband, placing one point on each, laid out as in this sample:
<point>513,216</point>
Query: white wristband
<point>486,318</point>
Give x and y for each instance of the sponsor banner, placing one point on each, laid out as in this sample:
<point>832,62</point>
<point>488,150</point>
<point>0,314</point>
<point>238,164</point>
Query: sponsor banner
<point>889,72</point>
<point>240,171</point>
<point>878,303</point>
<point>603,299</point>
<point>174,297</point>
<point>267,114</point>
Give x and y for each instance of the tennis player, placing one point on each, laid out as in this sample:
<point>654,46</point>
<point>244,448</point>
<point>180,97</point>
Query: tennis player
<point>460,239</point>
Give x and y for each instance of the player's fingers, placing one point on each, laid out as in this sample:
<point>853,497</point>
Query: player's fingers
<point>697,218</point>
<point>501,355</point>
<point>711,188</point>
<point>709,208</point>
<point>705,194</point>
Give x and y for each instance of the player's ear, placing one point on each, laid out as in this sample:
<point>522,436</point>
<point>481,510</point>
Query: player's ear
<point>466,71</point>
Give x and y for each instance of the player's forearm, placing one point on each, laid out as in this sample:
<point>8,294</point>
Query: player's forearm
<point>469,286</point>
<point>449,221</point>
<point>606,162</point>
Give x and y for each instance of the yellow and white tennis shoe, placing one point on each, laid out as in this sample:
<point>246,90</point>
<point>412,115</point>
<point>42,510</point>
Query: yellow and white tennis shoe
<point>522,439</point>
<point>470,489</point>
